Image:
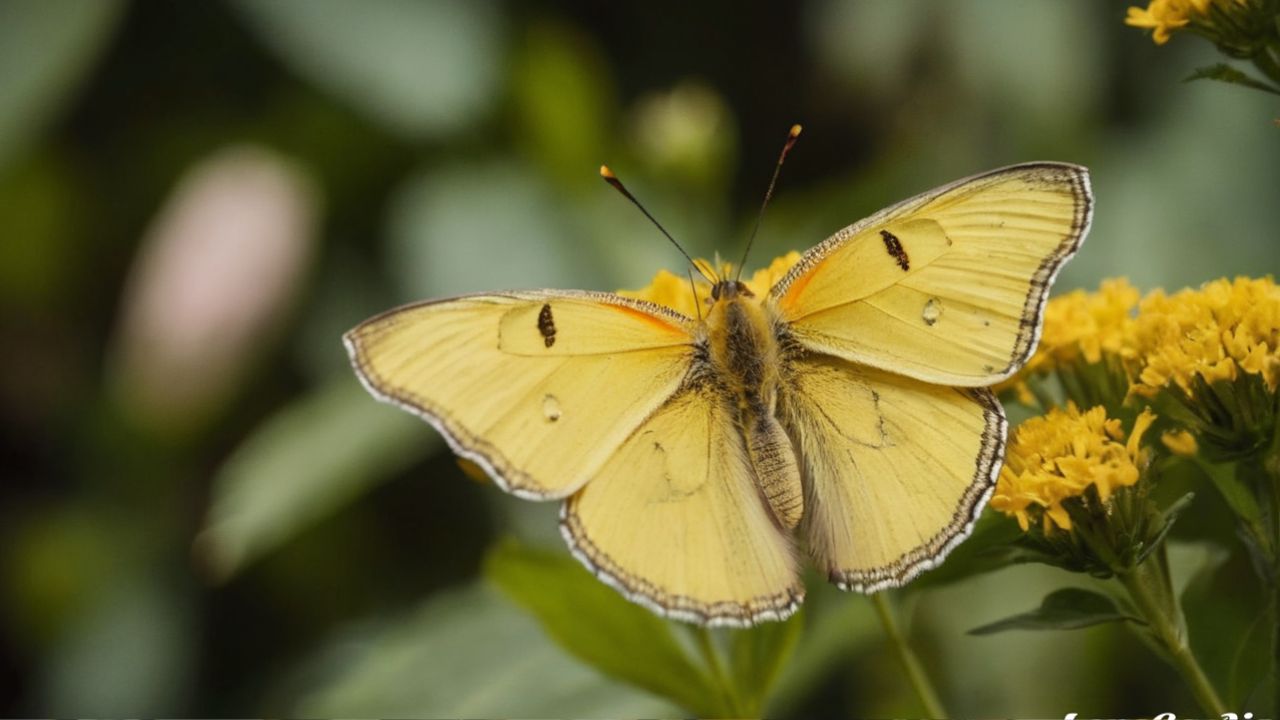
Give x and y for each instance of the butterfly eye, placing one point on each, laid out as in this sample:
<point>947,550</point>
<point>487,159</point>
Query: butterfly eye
<point>715,292</point>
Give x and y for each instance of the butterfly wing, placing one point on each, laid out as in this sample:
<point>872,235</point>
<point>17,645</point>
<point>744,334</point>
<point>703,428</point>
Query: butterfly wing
<point>895,470</point>
<point>947,287</point>
<point>539,388</point>
<point>674,520</point>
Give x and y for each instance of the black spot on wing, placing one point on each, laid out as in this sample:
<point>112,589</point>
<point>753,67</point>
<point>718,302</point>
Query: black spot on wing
<point>547,326</point>
<point>894,246</point>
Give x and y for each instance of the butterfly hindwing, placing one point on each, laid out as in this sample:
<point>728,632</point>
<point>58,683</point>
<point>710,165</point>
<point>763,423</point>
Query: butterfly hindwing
<point>895,470</point>
<point>540,388</point>
<point>946,287</point>
<point>675,521</point>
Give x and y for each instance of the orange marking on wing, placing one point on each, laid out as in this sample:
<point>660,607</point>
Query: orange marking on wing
<point>797,287</point>
<point>651,319</point>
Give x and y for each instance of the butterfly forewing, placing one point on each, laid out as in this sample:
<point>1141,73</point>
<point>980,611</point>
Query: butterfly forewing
<point>947,287</point>
<point>540,388</point>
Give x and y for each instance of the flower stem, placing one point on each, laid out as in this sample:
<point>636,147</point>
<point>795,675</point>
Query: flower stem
<point>711,656</point>
<point>1149,588</point>
<point>915,670</point>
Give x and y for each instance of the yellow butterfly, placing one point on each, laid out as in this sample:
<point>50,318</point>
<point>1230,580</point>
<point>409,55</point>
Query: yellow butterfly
<point>844,410</point>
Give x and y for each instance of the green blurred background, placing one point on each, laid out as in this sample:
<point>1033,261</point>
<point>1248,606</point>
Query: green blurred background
<point>201,510</point>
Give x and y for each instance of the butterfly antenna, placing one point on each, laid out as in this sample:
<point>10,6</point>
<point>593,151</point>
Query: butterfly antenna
<point>613,180</point>
<point>697,304</point>
<point>786,148</point>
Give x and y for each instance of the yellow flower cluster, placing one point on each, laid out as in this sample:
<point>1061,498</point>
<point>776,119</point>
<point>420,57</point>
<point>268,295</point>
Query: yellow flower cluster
<point>1085,325</point>
<point>673,290</point>
<point>1058,456</point>
<point>1217,331</point>
<point>1165,16</point>
<point>1223,328</point>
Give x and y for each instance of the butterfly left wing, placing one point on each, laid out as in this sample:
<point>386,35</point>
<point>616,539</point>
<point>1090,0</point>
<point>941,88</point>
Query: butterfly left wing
<point>674,520</point>
<point>947,287</point>
<point>538,387</point>
<point>895,470</point>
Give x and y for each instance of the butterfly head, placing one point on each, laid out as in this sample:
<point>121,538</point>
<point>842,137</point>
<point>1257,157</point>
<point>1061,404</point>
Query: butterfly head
<point>730,289</point>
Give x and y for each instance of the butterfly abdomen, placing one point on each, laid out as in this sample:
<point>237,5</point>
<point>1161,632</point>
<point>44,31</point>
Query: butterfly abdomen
<point>745,360</point>
<point>777,472</point>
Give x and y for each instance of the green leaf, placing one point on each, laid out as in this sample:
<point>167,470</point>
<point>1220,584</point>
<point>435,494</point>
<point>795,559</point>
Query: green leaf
<point>466,653</point>
<point>46,48</point>
<point>421,69</point>
<point>1252,661</point>
<point>1223,72</point>
<point>1259,534</point>
<point>1066,609</point>
<point>304,462</point>
<point>596,624</point>
<point>1227,617</point>
<point>1235,491</point>
<point>757,655</point>
<point>1170,516</point>
<point>1192,566</point>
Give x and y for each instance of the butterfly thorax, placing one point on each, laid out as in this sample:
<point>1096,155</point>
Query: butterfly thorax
<point>742,348</point>
<point>745,360</point>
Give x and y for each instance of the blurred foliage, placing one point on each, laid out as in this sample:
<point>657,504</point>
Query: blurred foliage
<point>1065,609</point>
<point>456,657</point>
<point>46,49</point>
<point>312,457</point>
<point>303,550</point>
<point>419,69</point>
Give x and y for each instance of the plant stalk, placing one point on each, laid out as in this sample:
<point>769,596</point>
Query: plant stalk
<point>711,656</point>
<point>910,663</point>
<point>1149,587</point>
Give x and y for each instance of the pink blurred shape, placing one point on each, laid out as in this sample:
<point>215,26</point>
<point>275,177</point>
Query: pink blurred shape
<point>214,278</point>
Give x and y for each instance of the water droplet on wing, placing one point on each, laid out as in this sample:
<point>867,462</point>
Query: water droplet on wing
<point>551,408</point>
<point>932,311</point>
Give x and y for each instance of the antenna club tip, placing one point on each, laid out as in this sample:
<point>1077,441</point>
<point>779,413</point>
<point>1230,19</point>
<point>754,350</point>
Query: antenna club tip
<point>795,131</point>
<point>606,173</point>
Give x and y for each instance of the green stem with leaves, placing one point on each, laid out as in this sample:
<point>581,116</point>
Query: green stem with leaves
<point>1152,594</point>
<point>916,674</point>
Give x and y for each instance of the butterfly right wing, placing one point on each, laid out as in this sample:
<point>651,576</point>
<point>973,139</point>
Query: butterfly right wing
<point>947,287</point>
<point>540,388</point>
<point>675,520</point>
